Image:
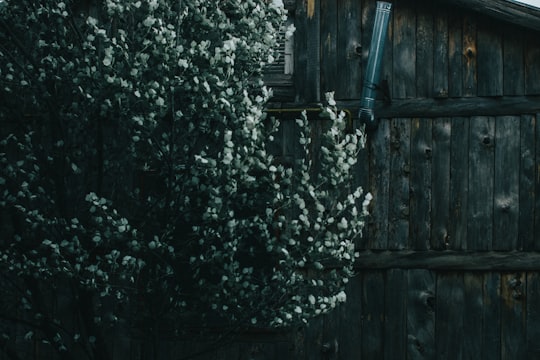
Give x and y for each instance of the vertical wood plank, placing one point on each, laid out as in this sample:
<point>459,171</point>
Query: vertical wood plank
<point>312,339</point>
<point>440,183</point>
<point>449,316</point>
<point>490,59</point>
<point>421,314</point>
<point>395,325</point>
<point>506,183</point>
<point>491,316</point>
<point>349,50</point>
<point>331,340</point>
<point>307,51</point>
<point>404,54</point>
<point>513,69</point>
<point>532,59</point>
<point>472,315</point>
<point>372,315</point>
<point>398,212</point>
<point>424,50</point>
<point>533,315</point>
<point>527,196</point>
<point>350,328</point>
<point>480,191</point>
<point>379,180</point>
<point>469,56</point>
<point>459,175</point>
<point>513,319</point>
<point>329,28</point>
<point>420,183</point>
<point>455,54</point>
<point>537,185</point>
<point>440,53</point>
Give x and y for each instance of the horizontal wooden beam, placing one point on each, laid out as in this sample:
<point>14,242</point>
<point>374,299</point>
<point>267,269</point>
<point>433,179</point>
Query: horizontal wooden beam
<point>507,10</point>
<point>449,260</point>
<point>448,107</point>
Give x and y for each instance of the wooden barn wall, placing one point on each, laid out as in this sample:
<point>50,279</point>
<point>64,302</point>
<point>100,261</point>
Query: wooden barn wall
<point>450,264</point>
<point>433,50</point>
<point>449,267</point>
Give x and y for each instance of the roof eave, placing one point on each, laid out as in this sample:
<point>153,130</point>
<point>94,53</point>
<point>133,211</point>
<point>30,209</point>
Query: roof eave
<point>510,11</point>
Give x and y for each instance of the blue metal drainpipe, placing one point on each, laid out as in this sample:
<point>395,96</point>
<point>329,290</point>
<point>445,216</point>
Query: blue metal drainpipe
<point>373,70</point>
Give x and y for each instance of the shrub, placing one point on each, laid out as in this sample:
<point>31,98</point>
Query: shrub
<point>137,184</point>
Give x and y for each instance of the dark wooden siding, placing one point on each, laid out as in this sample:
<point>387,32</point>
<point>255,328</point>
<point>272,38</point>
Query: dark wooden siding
<point>449,266</point>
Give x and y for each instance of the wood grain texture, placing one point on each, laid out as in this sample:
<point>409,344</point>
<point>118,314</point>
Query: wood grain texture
<point>459,182</point>
<point>421,305</point>
<point>349,50</point>
<point>506,183</point>
<point>399,207</point>
<point>420,183</point>
<point>440,183</point>
<point>379,144</point>
<point>490,59</point>
<point>527,191</point>
<point>404,53</point>
<point>395,319</point>
<point>440,53</point>
<point>480,187</point>
<point>372,315</point>
<point>449,316</point>
<point>449,260</point>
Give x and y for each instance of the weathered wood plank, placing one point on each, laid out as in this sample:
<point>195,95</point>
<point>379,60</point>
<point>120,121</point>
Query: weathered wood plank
<point>527,196</point>
<point>537,185</point>
<point>455,54</point>
<point>398,212</point>
<point>449,260</point>
<point>473,106</point>
<point>459,168</point>
<point>440,183</point>
<point>424,50</point>
<point>506,183</point>
<point>379,185</point>
<point>533,315</point>
<point>490,59</point>
<point>421,314</point>
<point>470,53</point>
<point>513,319</point>
<point>472,315</point>
<point>532,69</point>
<point>420,183</point>
<point>350,326</point>
<point>440,53</point>
<point>514,12</point>
<point>480,188</point>
<point>307,51</point>
<point>404,52</point>
<point>491,316</point>
<point>395,326</point>
<point>312,339</point>
<point>331,340</point>
<point>328,55</point>
<point>449,316</point>
<point>513,69</point>
<point>349,50</point>
<point>372,315</point>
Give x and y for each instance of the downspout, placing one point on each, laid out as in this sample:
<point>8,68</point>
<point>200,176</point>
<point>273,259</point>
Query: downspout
<point>373,69</point>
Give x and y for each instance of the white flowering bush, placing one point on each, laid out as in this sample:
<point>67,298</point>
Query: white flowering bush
<point>137,187</point>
